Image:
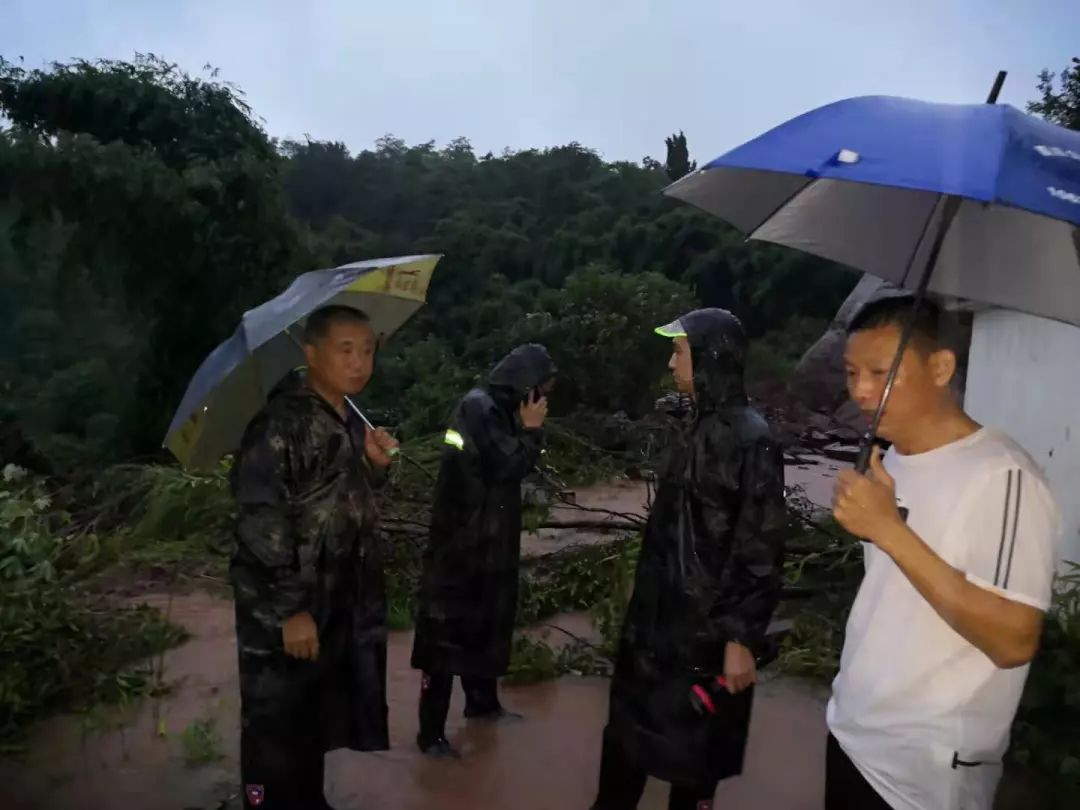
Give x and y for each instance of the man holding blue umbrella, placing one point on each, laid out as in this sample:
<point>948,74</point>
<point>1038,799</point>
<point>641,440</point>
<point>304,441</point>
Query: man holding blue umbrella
<point>962,530</point>
<point>308,574</point>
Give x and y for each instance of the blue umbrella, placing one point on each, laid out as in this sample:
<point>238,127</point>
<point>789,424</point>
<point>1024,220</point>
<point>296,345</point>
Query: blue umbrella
<point>233,381</point>
<point>971,201</point>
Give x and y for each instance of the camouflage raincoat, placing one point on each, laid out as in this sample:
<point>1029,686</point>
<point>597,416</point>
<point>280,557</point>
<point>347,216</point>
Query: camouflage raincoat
<point>306,541</point>
<point>708,573</point>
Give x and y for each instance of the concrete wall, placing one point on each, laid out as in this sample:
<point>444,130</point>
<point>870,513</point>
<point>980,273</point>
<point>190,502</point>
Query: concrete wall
<point>1024,378</point>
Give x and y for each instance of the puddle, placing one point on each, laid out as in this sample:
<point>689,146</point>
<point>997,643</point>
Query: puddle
<point>816,476</point>
<point>549,761</point>
<point>622,497</point>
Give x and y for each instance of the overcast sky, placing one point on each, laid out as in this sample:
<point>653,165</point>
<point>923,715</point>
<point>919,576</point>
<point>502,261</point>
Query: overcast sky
<point>615,75</point>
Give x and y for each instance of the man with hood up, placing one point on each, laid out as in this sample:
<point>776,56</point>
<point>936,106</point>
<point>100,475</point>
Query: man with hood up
<point>469,588</point>
<point>307,571</point>
<point>708,579</point>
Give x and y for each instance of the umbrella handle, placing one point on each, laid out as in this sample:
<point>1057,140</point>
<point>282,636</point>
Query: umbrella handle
<point>393,451</point>
<point>866,450</point>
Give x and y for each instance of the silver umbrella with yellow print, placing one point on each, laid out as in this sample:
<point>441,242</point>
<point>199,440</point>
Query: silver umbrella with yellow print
<point>233,381</point>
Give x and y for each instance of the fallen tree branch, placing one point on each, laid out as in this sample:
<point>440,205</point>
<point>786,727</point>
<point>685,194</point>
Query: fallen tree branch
<point>568,504</point>
<point>602,525</point>
<point>403,526</point>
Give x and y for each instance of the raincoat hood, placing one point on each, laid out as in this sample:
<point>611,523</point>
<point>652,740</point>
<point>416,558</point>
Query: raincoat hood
<point>718,347</point>
<point>522,370</point>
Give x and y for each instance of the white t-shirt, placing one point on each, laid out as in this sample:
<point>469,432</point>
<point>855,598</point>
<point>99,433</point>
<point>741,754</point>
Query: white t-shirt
<point>922,713</point>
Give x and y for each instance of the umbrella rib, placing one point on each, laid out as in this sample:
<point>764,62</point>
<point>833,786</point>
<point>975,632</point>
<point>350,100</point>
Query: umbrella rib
<point>921,240</point>
<point>786,202</point>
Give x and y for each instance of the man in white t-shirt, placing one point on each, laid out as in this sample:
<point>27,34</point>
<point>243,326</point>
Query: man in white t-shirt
<point>962,532</point>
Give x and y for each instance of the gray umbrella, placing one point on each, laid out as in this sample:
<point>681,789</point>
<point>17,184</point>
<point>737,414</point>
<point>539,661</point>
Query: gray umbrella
<point>233,381</point>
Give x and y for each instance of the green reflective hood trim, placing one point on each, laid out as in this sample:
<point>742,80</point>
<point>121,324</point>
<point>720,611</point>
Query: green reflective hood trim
<point>454,439</point>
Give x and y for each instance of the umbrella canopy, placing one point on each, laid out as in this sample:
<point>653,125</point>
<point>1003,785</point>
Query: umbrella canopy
<point>233,381</point>
<point>867,182</point>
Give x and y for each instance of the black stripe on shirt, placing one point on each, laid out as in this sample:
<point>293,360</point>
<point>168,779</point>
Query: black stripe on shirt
<point>1004,528</point>
<point>1016,522</point>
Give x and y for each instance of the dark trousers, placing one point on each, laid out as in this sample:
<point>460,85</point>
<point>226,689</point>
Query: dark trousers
<point>622,782</point>
<point>281,760</point>
<point>845,787</point>
<point>481,698</point>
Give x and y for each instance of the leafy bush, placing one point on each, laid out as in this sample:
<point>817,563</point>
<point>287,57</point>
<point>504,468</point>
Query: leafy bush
<point>1045,743</point>
<point>532,661</point>
<point>64,651</point>
<point>165,503</point>
<point>62,647</point>
<point>599,330</point>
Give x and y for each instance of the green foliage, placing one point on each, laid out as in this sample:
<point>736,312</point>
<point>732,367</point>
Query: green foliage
<point>826,564</point>
<point>28,546</point>
<point>609,613</point>
<point>64,651</point>
<point>63,648</point>
<point>597,308</point>
<point>599,330</point>
<point>1062,106</point>
<point>598,579</point>
<point>575,460</point>
<point>141,211</point>
<point>576,578</point>
<point>678,163</point>
<point>166,503</point>
<point>144,103</point>
<point>1044,741</point>
<point>534,660</point>
<point>202,742</point>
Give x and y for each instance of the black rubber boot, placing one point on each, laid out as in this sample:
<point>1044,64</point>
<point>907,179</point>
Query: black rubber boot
<point>439,748</point>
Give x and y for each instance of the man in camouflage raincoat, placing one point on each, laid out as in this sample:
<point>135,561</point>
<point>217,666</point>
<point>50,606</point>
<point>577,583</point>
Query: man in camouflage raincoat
<point>308,573</point>
<point>708,579</point>
<point>468,594</point>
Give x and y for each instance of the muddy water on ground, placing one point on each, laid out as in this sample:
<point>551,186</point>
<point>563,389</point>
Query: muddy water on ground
<point>148,755</point>
<point>548,761</point>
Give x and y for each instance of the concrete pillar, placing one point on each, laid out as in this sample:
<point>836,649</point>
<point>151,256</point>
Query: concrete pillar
<point>1024,379</point>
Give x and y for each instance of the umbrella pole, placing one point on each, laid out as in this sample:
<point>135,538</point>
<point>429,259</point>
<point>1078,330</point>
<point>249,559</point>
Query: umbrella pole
<point>866,447</point>
<point>952,205</point>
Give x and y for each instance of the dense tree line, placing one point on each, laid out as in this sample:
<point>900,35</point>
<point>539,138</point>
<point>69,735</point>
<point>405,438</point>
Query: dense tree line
<point>142,210</point>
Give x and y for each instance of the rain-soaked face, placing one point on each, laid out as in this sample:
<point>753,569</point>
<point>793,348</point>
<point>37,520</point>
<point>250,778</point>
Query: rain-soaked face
<point>922,382</point>
<point>681,365</point>
<point>342,360</point>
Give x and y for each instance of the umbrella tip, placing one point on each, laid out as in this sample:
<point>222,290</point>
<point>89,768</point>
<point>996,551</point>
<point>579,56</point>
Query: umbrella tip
<point>995,91</point>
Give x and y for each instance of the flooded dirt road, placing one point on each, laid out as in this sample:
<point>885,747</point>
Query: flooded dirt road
<point>812,476</point>
<point>164,753</point>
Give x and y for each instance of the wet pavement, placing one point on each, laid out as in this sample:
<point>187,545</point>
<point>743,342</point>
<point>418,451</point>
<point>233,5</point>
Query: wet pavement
<point>152,755</point>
